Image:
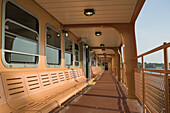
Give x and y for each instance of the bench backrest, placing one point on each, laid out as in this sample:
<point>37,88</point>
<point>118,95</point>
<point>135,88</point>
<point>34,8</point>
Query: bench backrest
<point>4,108</point>
<point>15,89</point>
<point>20,87</point>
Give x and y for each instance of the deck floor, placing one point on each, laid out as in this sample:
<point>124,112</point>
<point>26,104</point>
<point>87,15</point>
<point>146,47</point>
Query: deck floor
<point>106,96</point>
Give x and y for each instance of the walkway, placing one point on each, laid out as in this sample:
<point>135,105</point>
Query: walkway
<point>106,96</point>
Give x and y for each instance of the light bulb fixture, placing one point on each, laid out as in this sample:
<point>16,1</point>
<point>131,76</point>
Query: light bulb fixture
<point>98,33</point>
<point>101,45</point>
<point>89,12</point>
<point>58,34</point>
<point>103,49</point>
<point>87,47</point>
<point>65,32</point>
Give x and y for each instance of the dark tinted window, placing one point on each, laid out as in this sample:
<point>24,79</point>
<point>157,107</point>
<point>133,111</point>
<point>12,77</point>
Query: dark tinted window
<point>21,36</point>
<point>15,13</point>
<point>53,46</point>
<point>76,54</point>
<point>68,52</point>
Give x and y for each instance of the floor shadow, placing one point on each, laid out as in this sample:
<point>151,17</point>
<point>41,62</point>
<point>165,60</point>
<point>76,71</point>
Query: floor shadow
<point>103,96</point>
<point>91,107</point>
<point>121,94</point>
<point>103,89</point>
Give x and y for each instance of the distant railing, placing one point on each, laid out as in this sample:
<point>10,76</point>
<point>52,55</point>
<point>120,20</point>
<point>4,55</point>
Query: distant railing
<point>123,75</point>
<point>152,86</point>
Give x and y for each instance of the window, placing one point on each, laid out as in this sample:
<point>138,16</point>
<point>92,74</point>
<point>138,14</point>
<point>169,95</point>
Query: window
<point>93,62</point>
<point>20,41</point>
<point>76,54</point>
<point>68,52</point>
<point>99,62</point>
<point>53,46</point>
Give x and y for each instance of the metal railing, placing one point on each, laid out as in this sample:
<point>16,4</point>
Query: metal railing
<point>123,75</point>
<point>152,86</point>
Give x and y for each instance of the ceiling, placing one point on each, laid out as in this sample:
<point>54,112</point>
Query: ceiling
<point>107,11</point>
<point>71,12</point>
<point>107,51</point>
<point>106,59</point>
<point>110,37</point>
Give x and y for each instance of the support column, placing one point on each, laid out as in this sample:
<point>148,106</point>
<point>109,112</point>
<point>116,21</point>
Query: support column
<point>118,66</point>
<point>114,65</point>
<point>130,52</point>
<point>117,63</point>
<point>97,62</point>
<point>166,85</point>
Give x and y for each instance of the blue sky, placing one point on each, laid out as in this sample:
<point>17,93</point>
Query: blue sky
<point>153,28</point>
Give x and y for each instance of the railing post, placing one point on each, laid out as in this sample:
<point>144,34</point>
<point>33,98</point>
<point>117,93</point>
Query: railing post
<point>166,85</point>
<point>143,84</point>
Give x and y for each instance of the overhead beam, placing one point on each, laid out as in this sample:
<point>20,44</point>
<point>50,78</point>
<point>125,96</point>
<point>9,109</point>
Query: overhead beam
<point>107,54</point>
<point>103,47</point>
<point>106,57</point>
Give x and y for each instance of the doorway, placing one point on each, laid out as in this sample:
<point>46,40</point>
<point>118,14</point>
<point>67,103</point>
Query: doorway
<point>106,66</point>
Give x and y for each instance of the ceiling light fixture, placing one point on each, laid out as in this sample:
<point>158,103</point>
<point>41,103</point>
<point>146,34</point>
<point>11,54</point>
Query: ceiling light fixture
<point>89,12</point>
<point>65,32</point>
<point>101,45</point>
<point>58,34</point>
<point>103,49</point>
<point>98,33</point>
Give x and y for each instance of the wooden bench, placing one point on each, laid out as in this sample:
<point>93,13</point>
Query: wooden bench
<point>96,71</point>
<point>38,91</point>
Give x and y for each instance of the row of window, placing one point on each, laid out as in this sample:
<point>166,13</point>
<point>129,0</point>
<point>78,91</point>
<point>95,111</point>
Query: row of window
<point>93,62</point>
<point>21,42</point>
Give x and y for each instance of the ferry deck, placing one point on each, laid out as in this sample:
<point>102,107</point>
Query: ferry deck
<point>77,56</point>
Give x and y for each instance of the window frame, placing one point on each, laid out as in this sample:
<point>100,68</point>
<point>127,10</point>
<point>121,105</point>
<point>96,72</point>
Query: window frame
<point>75,55</point>
<point>92,61</point>
<point>18,65</point>
<point>99,62</point>
<point>68,52</point>
<point>53,28</point>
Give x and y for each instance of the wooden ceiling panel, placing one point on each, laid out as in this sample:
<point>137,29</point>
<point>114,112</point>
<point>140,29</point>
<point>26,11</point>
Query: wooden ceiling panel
<point>97,8</point>
<point>83,4</point>
<point>95,17</point>
<point>59,1</point>
<point>106,11</point>
<point>107,51</point>
<point>95,22</point>
<point>91,20</point>
<point>81,13</point>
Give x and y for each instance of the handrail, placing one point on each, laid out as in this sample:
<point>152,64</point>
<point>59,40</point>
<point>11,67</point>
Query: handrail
<point>155,49</point>
<point>164,74</point>
<point>156,75</point>
<point>153,70</point>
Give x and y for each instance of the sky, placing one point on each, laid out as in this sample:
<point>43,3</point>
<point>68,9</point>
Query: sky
<point>153,28</point>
